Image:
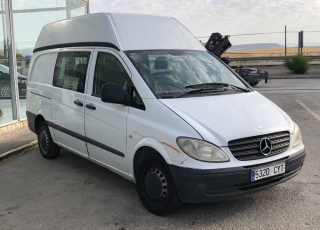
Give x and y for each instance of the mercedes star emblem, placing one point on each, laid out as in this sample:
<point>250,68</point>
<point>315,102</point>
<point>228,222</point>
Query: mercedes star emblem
<point>265,146</point>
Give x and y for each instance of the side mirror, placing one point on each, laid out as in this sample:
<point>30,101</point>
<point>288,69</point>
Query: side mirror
<point>112,93</point>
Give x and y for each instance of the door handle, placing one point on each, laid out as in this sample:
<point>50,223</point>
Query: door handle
<point>90,106</point>
<point>77,102</point>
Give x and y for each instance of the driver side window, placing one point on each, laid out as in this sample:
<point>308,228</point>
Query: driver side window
<point>108,69</point>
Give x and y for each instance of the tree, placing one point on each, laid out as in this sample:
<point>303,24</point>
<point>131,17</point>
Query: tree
<point>297,64</point>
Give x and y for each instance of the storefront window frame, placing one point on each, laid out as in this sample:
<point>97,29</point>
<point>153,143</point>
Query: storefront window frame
<point>12,60</point>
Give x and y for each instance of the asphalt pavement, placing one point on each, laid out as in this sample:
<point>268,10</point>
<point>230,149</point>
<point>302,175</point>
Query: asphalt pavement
<point>73,193</point>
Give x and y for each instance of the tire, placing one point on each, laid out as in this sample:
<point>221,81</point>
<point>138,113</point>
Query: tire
<point>156,188</point>
<point>254,83</point>
<point>47,147</point>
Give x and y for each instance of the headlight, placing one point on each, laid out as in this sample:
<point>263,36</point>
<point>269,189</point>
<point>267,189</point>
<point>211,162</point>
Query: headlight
<point>201,150</point>
<point>296,137</point>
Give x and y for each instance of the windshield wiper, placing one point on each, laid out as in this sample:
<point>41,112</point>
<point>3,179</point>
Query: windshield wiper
<point>201,90</point>
<point>218,84</point>
<point>239,88</point>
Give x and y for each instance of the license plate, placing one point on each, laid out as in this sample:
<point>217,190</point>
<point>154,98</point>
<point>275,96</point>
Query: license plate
<point>260,173</point>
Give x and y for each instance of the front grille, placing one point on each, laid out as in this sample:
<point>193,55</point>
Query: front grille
<point>249,148</point>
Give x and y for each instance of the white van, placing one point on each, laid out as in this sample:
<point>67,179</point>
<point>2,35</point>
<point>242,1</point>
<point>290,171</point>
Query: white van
<point>141,96</point>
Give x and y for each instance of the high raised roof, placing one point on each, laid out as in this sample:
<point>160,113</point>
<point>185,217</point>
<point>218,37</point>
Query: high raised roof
<point>120,31</point>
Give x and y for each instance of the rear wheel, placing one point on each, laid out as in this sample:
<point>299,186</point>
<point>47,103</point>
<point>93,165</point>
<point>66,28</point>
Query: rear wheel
<point>47,147</point>
<point>156,187</point>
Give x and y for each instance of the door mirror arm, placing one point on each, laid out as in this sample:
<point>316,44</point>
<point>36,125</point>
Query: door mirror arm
<point>127,99</point>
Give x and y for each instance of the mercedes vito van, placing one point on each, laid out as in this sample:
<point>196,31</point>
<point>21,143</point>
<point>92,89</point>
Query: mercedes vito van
<point>140,95</point>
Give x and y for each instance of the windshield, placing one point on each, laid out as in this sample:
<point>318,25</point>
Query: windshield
<point>172,73</point>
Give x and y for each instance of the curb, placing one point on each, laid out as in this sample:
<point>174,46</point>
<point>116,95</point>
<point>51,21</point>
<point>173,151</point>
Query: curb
<point>289,77</point>
<point>13,125</point>
<point>15,152</point>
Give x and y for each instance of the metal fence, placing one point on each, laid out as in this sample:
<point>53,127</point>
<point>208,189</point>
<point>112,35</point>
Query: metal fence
<point>279,58</point>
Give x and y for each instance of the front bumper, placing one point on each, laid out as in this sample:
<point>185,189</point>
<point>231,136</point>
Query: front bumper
<point>200,186</point>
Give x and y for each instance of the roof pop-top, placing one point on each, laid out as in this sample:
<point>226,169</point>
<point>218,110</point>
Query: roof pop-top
<point>120,31</point>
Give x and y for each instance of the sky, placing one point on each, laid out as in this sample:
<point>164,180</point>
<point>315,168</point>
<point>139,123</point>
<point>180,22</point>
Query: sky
<point>27,25</point>
<point>231,17</point>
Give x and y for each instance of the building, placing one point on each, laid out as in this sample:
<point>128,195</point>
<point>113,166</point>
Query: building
<point>20,24</point>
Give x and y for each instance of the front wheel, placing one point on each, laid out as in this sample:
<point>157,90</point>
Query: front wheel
<point>254,83</point>
<point>156,187</point>
<point>47,147</point>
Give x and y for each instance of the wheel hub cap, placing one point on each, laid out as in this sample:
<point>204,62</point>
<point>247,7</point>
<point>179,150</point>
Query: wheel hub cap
<point>156,184</point>
<point>44,141</point>
<point>5,91</point>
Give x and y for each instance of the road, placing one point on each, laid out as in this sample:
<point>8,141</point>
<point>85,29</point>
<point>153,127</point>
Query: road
<point>73,193</point>
<point>287,86</point>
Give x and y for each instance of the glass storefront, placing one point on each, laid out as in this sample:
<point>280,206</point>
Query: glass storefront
<point>21,23</point>
<point>8,103</point>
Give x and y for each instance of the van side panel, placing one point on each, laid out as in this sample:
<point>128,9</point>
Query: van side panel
<point>39,87</point>
<point>157,127</point>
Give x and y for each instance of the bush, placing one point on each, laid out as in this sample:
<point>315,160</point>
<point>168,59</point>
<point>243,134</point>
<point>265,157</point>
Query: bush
<point>298,64</point>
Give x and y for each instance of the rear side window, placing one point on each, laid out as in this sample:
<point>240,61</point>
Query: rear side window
<point>71,70</point>
<point>43,68</point>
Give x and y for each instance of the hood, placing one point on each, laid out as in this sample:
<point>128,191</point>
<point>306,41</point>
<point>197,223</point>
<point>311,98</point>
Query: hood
<point>221,118</point>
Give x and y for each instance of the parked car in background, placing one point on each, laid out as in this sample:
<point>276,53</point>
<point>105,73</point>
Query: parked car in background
<point>5,83</point>
<point>218,45</point>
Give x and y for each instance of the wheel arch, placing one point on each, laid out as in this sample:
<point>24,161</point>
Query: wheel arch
<point>147,147</point>
<point>38,119</point>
